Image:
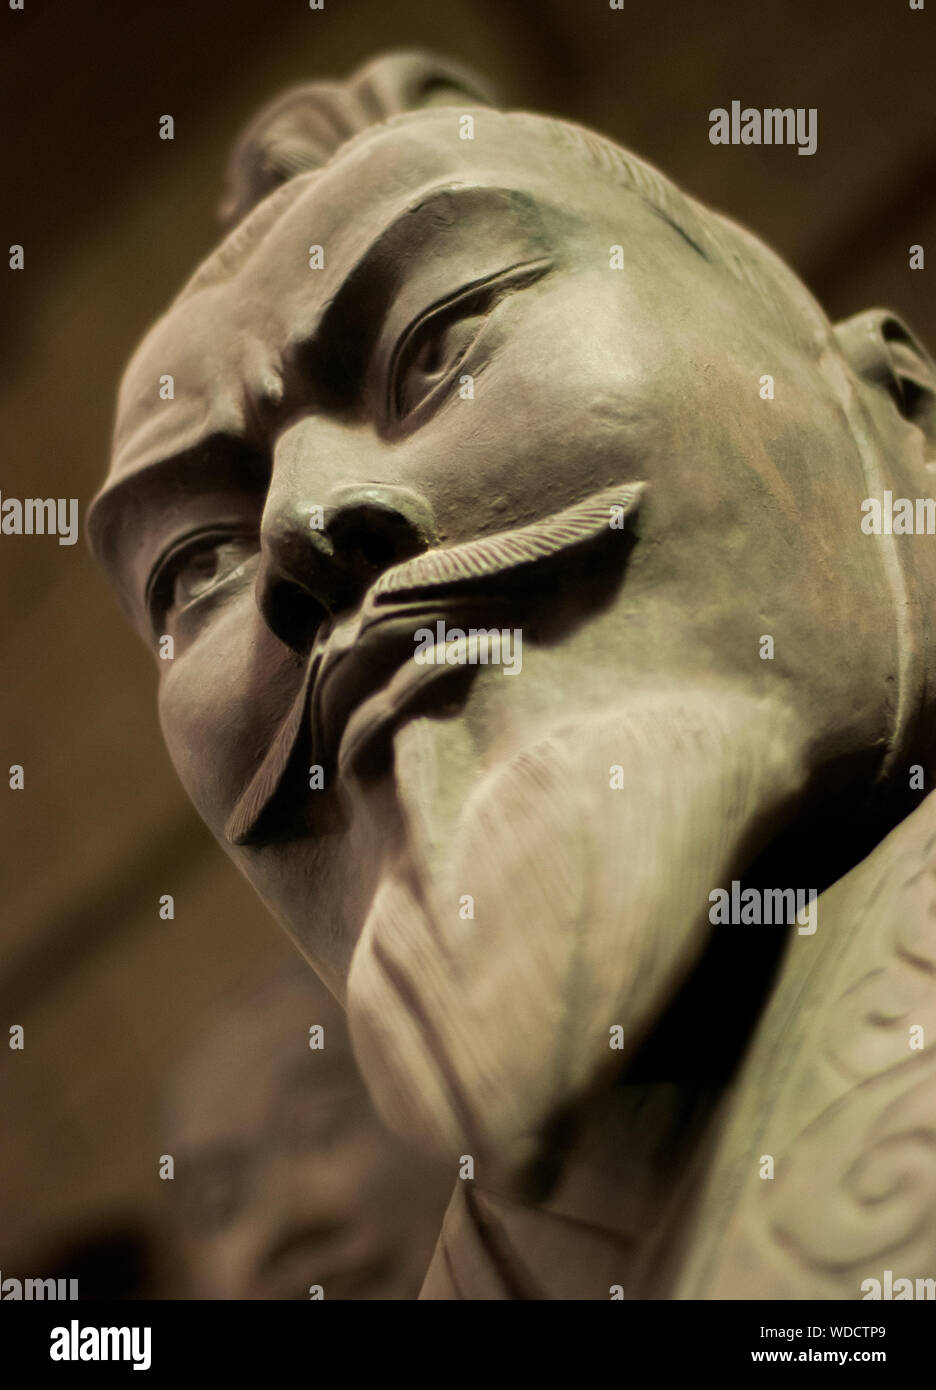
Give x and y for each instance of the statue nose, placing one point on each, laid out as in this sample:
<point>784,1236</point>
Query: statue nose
<point>322,561</point>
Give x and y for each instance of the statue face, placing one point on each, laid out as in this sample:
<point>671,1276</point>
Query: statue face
<point>285,1178</point>
<point>462,362</point>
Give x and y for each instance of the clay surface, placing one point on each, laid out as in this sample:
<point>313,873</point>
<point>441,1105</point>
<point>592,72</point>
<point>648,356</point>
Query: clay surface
<point>485,376</point>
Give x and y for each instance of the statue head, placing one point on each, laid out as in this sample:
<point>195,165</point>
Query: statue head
<point>469,478</point>
<point>285,1180</point>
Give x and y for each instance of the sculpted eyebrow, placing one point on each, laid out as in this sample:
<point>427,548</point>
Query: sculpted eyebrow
<point>128,518</point>
<point>473,220</point>
<point>483,228</point>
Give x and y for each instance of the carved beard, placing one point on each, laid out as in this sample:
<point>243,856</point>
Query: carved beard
<point>481,1034</point>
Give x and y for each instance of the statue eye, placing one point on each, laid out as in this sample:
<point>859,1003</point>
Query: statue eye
<point>431,353</point>
<point>432,348</point>
<point>196,568</point>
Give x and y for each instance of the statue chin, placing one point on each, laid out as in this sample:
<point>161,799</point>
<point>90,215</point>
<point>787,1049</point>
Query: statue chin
<point>544,912</point>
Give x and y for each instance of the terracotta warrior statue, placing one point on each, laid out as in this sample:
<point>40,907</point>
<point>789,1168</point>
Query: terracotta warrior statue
<point>286,1185</point>
<point>497,516</point>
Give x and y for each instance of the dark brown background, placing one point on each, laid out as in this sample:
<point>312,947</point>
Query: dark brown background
<point>112,219</point>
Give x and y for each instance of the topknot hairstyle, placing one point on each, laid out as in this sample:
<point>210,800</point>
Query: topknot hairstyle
<point>301,129</point>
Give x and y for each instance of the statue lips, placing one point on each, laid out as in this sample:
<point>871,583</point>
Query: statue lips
<point>360,676</point>
<point>360,695</point>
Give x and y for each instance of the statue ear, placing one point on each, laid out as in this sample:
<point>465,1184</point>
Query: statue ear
<point>886,354</point>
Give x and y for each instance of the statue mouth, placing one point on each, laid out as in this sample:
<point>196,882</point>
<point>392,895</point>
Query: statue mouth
<point>361,693</point>
<point>361,677</point>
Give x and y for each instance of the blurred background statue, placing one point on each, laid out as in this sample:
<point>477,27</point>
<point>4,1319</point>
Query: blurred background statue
<point>286,1185</point>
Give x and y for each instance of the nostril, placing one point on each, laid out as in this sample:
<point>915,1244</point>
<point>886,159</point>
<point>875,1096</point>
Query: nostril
<point>311,575</point>
<point>375,549</point>
<point>371,534</point>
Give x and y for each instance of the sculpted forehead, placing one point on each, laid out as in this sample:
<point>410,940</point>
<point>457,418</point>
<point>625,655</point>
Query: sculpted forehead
<point>222,331</point>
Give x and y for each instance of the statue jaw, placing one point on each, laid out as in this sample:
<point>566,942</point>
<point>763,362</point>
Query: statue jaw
<point>478,1031</point>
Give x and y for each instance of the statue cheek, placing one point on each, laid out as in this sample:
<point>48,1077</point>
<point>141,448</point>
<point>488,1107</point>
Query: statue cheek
<point>220,703</point>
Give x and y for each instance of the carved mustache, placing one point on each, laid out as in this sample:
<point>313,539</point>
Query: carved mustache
<point>506,552</point>
<point>498,561</point>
